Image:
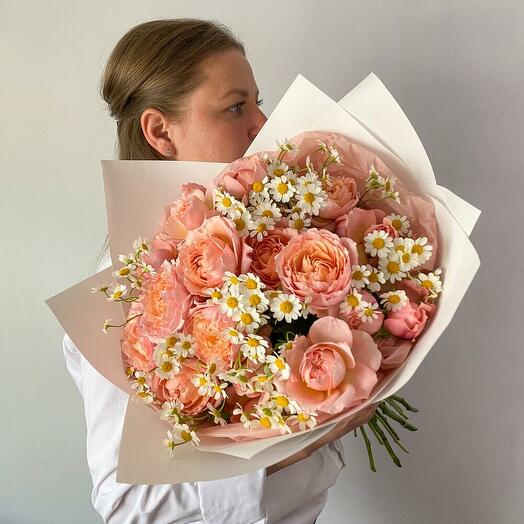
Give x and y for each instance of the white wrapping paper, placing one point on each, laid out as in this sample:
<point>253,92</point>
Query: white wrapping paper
<point>370,116</point>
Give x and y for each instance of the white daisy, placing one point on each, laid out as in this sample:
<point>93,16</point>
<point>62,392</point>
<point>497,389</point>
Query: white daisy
<point>408,258</point>
<point>171,410</point>
<point>286,306</point>
<point>260,226</point>
<point>277,168</point>
<point>286,145</point>
<point>359,275</point>
<point>281,189</point>
<point>378,243</point>
<point>284,403</point>
<point>242,222</point>
<point>391,269</point>
<point>248,320</point>
<point>203,383</point>
<point>268,209</point>
<point>352,301</point>
<point>375,278</point>
<point>254,347</point>
<point>255,299</point>
<point>259,191</point>
<point>116,292</point>
<point>215,295</point>
<point>305,419</point>
<point>431,281</point>
<point>299,221</point>
<point>216,413</point>
<point>233,335</point>
<point>244,417</point>
<point>422,249</point>
<point>185,346</point>
<point>394,300</point>
<point>278,366</point>
<point>310,195</point>
<point>251,282</point>
<point>223,201</point>
<point>218,391</point>
<point>231,303</point>
<point>168,368</point>
<point>367,311</point>
<point>399,222</point>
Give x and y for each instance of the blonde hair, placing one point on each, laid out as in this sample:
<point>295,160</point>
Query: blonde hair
<point>156,64</point>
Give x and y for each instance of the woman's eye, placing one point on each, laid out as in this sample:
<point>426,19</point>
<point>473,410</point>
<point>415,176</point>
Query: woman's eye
<point>237,107</point>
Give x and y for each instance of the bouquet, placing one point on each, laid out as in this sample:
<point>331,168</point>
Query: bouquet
<point>278,296</point>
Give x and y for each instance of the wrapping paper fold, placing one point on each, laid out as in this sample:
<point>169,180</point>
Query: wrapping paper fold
<point>370,116</point>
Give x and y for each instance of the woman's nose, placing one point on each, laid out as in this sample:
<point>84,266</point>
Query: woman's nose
<point>260,120</point>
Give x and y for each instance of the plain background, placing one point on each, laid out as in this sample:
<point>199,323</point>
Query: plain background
<point>456,68</point>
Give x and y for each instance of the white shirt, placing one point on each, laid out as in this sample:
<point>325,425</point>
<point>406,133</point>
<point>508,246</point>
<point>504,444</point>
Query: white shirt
<point>293,495</point>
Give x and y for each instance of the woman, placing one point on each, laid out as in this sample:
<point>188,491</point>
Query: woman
<point>184,90</point>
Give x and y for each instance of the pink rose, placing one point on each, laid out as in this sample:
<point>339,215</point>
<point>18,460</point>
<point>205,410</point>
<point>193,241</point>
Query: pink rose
<point>165,303</point>
<point>354,321</point>
<point>238,177</point>
<point>137,349</point>
<point>163,248</point>
<point>394,351</point>
<point>208,252</point>
<point>333,368</point>
<point>264,252</point>
<point>316,265</point>
<point>206,323</point>
<point>409,321</point>
<point>342,196</point>
<point>180,387</point>
<point>384,226</point>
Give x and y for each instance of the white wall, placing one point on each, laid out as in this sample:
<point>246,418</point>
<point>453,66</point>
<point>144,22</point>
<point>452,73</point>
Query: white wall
<point>457,70</point>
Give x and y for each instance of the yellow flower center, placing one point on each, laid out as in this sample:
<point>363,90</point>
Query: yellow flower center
<point>240,224</point>
<point>166,366</point>
<point>280,363</point>
<point>186,436</point>
<point>417,249</point>
<point>397,224</point>
<point>282,401</point>
<point>246,319</point>
<point>226,202</point>
<point>264,421</point>
<point>171,341</point>
<point>268,213</point>
<point>232,302</point>
<point>309,198</point>
<point>302,417</point>
<point>124,271</point>
<point>252,342</point>
<point>251,283</point>
<point>427,284</point>
<point>257,186</point>
<point>261,227</point>
<point>373,277</point>
<point>358,275</point>
<point>299,223</point>
<point>405,257</point>
<point>378,243</point>
<point>394,299</point>
<point>254,300</point>
<point>393,267</point>
<point>282,188</point>
<point>278,171</point>
<point>286,306</point>
<point>216,294</point>
<point>352,300</point>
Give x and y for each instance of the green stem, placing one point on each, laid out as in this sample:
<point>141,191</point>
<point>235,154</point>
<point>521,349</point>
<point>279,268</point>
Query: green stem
<point>394,458</point>
<point>405,403</point>
<point>390,430</point>
<point>394,416</point>
<point>397,408</point>
<point>368,448</point>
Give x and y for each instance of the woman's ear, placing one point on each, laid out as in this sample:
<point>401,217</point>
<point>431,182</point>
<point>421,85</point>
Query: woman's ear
<point>156,129</point>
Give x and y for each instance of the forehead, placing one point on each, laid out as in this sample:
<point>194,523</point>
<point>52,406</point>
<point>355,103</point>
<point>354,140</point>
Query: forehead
<point>225,72</point>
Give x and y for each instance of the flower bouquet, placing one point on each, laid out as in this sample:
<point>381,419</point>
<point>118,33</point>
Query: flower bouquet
<point>267,299</point>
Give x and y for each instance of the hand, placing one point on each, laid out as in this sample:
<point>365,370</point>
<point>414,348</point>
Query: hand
<point>340,429</point>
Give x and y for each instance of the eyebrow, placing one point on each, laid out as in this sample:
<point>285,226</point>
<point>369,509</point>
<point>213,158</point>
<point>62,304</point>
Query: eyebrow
<point>238,91</point>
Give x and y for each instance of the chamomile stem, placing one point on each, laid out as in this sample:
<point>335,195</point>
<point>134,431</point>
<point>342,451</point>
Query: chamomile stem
<point>368,448</point>
<point>396,407</point>
<point>390,430</point>
<point>404,402</point>
<point>391,414</point>
<point>394,458</point>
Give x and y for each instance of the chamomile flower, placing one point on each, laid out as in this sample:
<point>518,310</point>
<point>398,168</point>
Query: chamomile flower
<point>140,381</point>
<point>218,391</point>
<point>390,268</point>
<point>281,189</point>
<point>224,202</point>
<point>244,417</point>
<point>430,281</point>
<point>216,413</point>
<point>286,145</point>
<point>375,278</point>
<point>215,295</point>
<point>267,208</point>
<point>168,368</point>
<point>233,335</point>
<point>259,191</point>
<point>394,300</point>
<point>171,410</point>
<point>422,249</point>
<point>408,258</point>
<point>231,281</point>
<point>368,311</point>
<point>310,195</point>
<point>140,244</point>
<point>399,244</point>
<point>242,221</point>
<point>278,366</point>
<point>378,243</point>
<point>399,222</point>
<point>248,319</point>
<point>299,221</point>
<point>203,383</point>
<point>306,419</point>
<point>277,168</point>
<point>359,275</point>
<point>254,348</point>
<point>127,260</point>
<point>185,346</point>
<point>255,299</point>
<point>260,226</point>
<point>251,282</point>
<point>179,434</point>
<point>334,155</point>
<point>268,417</point>
<point>231,303</point>
<point>283,403</point>
<point>116,292</point>
<point>286,306</point>
<point>262,383</point>
<point>145,395</point>
<point>352,301</point>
